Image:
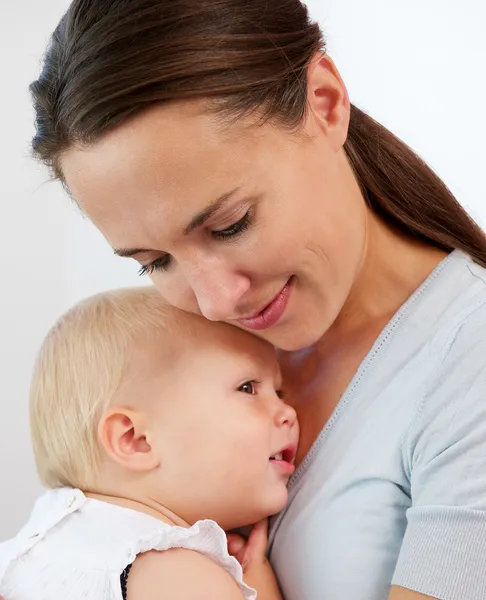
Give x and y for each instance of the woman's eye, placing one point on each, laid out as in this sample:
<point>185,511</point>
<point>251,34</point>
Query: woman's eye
<point>248,388</point>
<point>160,264</point>
<point>164,262</point>
<point>235,229</point>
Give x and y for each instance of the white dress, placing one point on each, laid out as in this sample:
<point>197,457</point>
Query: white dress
<point>77,547</point>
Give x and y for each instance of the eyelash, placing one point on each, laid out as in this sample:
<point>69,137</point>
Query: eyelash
<point>234,230</point>
<point>163,263</point>
<point>254,384</point>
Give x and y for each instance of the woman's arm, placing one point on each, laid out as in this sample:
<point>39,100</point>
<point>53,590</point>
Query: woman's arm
<point>443,552</point>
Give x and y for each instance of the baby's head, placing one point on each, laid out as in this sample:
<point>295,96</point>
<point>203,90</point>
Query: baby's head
<point>133,398</point>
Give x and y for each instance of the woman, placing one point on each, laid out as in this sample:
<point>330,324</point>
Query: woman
<point>214,143</point>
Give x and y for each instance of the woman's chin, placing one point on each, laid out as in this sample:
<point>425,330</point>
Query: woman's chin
<point>294,339</point>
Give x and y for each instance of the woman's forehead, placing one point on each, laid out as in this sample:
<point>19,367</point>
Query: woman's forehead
<point>164,157</point>
<point>169,144</point>
<point>164,167</point>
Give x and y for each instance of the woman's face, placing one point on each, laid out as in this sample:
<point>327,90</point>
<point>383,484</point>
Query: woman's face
<point>250,225</point>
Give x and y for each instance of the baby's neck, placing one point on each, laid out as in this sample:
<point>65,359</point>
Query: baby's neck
<point>148,506</point>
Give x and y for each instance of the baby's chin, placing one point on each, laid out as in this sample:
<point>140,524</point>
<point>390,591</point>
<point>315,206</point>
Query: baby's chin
<point>269,507</point>
<point>278,504</point>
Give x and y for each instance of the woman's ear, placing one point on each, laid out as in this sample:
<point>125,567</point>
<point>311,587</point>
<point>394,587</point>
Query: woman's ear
<point>124,435</point>
<point>328,99</point>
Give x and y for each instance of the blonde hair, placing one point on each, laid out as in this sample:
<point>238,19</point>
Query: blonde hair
<point>79,370</point>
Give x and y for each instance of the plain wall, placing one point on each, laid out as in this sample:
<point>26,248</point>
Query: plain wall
<point>418,66</point>
<point>33,243</point>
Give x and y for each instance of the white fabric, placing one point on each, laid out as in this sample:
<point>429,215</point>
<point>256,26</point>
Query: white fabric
<point>74,547</point>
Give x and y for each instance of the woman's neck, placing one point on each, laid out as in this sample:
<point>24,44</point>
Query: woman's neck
<point>394,266</point>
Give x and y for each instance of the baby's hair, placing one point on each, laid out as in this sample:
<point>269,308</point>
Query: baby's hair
<point>78,372</point>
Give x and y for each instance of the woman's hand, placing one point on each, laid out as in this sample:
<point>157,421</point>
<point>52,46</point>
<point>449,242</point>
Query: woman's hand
<point>252,556</point>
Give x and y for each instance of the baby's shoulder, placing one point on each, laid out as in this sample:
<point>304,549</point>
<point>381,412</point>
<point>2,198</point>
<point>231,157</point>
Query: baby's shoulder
<point>180,573</point>
<point>71,538</point>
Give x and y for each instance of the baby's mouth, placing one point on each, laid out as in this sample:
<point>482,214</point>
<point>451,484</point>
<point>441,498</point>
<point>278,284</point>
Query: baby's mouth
<point>285,459</point>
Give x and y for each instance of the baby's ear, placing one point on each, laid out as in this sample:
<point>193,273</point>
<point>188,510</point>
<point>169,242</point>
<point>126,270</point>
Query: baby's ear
<point>124,435</point>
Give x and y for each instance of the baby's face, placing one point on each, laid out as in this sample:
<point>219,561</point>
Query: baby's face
<point>226,439</point>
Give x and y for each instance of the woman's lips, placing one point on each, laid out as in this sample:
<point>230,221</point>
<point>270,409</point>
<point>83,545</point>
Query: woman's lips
<point>272,313</point>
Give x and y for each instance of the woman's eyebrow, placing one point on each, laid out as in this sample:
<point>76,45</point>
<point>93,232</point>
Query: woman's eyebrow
<point>209,211</point>
<point>129,252</point>
<point>196,222</point>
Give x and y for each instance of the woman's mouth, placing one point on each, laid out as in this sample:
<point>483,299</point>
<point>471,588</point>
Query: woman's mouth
<point>271,314</point>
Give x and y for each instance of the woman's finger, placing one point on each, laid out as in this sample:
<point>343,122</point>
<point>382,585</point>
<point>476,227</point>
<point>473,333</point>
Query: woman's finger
<point>258,540</point>
<point>236,543</point>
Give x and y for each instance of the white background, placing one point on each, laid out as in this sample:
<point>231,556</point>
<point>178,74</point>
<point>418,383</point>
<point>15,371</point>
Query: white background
<point>418,66</point>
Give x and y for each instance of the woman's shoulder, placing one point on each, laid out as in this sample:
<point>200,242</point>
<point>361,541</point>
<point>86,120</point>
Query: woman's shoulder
<point>453,309</point>
<point>464,324</point>
<point>452,326</point>
<point>454,391</point>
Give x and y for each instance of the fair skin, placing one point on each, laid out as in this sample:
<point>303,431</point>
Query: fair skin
<point>157,575</point>
<point>298,227</point>
<point>216,389</point>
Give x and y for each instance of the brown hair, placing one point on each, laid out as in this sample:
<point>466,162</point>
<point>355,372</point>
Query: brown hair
<point>108,60</point>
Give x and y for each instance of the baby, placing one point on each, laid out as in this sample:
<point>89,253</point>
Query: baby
<point>156,431</point>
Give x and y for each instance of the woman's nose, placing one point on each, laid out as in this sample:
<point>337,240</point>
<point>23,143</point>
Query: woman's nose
<point>218,291</point>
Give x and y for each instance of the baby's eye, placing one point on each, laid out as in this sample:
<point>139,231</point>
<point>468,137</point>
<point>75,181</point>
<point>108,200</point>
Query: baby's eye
<point>280,394</point>
<point>248,387</point>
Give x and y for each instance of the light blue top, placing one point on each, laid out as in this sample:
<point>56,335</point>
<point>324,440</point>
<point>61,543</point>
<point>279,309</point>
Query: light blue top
<point>394,488</point>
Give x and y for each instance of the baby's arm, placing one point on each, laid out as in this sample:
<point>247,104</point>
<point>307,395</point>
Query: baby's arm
<point>180,574</point>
